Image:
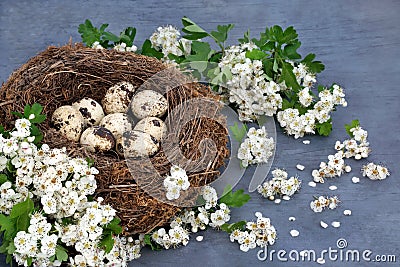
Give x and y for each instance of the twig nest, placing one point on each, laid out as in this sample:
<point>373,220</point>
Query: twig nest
<point>69,122</point>
<point>117,124</point>
<point>91,111</point>
<point>153,126</point>
<point>148,103</point>
<point>97,139</point>
<point>118,97</point>
<point>137,144</point>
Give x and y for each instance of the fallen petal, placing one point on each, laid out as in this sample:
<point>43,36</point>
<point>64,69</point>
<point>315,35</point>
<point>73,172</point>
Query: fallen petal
<point>294,233</point>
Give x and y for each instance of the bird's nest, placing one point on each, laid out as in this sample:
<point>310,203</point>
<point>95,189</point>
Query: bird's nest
<point>62,75</point>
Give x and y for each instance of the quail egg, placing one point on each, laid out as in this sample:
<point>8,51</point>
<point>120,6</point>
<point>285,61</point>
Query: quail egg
<point>153,126</point>
<point>97,139</point>
<point>117,123</point>
<point>136,144</point>
<point>69,122</point>
<point>148,103</point>
<point>91,111</point>
<point>118,97</point>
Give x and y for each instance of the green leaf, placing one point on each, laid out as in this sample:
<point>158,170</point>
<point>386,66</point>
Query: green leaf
<point>289,35</point>
<point>3,178</point>
<point>11,248</point>
<point>261,120</point>
<point>148,50</point>
<point>23,222</point>
<point>147,240</point>
<point>107,243</point>
<point>239,132</point>
<point>222,33</point>
<point>192,30</point>
<point>29,261</point>
<point>229,228</point>
<point>289,77</point>
<point>325,128</point>
<point>89,33</point>
<point>255,54</point>
<point>268,65</point>
<point>287,104</point>
<point>313,66</point>
<point>36,109</point>
<point>61,253</point>
<point>21,208</point>
<point>18,114</point>
<point>348,127</point>
<point>8,227</point>
<point>290,50</point>
<point>234,199</point>
<point>246,37</point>
<point>108,36</point>
<point>128,36</point>
<point>114,226</point>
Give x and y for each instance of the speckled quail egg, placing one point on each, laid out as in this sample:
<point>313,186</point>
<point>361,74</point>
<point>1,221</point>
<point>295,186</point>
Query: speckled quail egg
<point>118,97</point>
<point>91,111</point>
<point>69,122</point>
<point>148,103</point>
<point>97,139</point>
<point>117,123</point>
<point>153,126</point>
<point>137,144</point>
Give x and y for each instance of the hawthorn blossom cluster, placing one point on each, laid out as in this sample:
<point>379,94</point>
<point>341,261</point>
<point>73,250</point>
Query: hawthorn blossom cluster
<point>356,147</point>
<point>320,203</point>
<point>248,87</point>
<point>61,186</point>
<point>298,124</point>
<point>177,181</point>
<point>375,172</point>
<point>121,47</point>
<point>211,214</point>
<point>279,185</point>
<point>260,233</point>
<point>305,78</point>
<point>256,148</point>
<point>333,168</point>
<point>167,40</point>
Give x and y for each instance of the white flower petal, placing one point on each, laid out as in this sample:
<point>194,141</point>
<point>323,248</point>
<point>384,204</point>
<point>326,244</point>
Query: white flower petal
<point>312,184</point>
<point>300,167</point>
<point>355,180</point>
<point>294,233</point>
<point>199,238</point>
<point>323,224</point>
<point>335,224</point>
<point>332,187</point>
<point>347,212</point>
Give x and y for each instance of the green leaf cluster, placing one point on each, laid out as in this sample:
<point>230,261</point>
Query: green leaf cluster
<point>91,34</point>
<point>234,199</point>
<point>239,132</point>
<point>230,227</point>
<point>34,115</point>
<point>111,229</point>
<point>10,225</point>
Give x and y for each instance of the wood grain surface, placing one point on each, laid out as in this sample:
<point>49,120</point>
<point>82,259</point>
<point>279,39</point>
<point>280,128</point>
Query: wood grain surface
<point>359,43</point>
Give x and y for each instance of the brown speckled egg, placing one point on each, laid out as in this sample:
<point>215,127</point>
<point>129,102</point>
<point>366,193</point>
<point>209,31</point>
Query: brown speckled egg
<point>69,122</point>
<point>153,126</point>
<point>117,123</point>
<point>91,111</point>
<point>148,103</point>
<point>118,97</point>
<point>136,144</point>
<point>97,139</point>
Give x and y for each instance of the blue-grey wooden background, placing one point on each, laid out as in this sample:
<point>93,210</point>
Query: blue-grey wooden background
<point>359,43</point>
